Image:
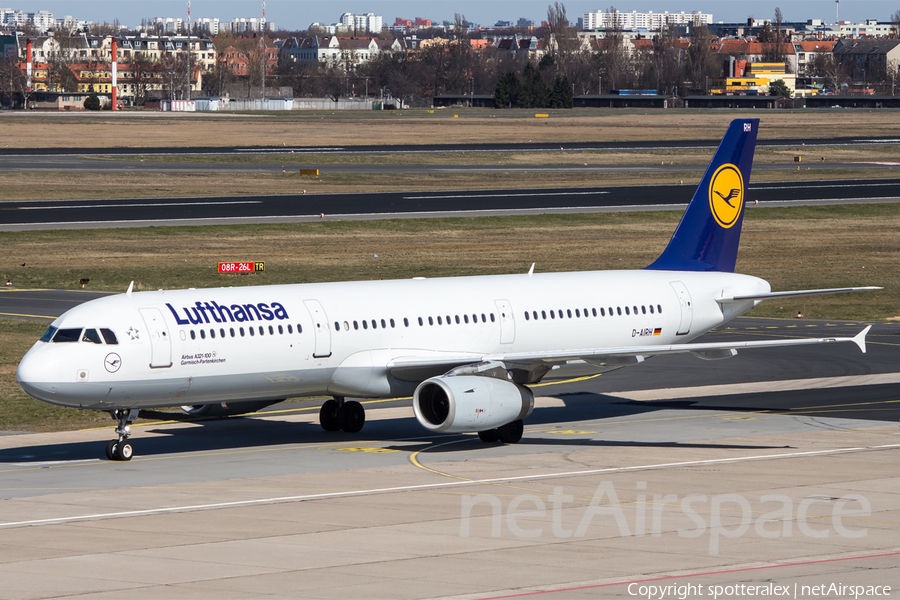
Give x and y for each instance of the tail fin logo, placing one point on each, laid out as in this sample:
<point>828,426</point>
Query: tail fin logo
<point>726,195</point>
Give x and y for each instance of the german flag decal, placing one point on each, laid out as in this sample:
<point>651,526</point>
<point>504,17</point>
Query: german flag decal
<point>657,331</point>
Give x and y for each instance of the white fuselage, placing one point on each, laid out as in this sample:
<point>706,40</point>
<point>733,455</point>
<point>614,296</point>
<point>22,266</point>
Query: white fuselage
<point>196,346</point>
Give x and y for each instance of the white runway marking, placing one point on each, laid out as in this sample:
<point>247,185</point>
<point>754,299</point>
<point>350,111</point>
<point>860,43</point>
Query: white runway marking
<point>760,387</point>
<point>433,486</point>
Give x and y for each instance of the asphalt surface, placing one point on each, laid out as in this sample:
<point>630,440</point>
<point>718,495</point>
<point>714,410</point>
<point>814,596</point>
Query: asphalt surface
<point>51,214</point>
<point>439,148</point>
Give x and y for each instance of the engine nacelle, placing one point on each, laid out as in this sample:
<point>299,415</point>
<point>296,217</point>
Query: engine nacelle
<point>470,403</point>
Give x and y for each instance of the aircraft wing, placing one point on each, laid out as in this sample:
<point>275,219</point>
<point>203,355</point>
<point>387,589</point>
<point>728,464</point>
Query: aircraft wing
<point>794,294</point>
<point>420,368</point>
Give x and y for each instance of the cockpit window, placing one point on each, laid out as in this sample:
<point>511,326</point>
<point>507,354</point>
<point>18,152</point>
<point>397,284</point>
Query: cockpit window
<point>91,335</point>
<point>48,335</point>
<point>109,336</point>
<point>67,335</point>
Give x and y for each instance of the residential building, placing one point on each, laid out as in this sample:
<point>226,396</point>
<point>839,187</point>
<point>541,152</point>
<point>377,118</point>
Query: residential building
<point>870,59</point>
<point>347,52</point>
<point>367,23</point>
<point>649,21</point>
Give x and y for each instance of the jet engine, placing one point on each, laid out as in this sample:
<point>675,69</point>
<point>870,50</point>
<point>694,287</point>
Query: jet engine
<point>470,403</point>
<point>225,409</point>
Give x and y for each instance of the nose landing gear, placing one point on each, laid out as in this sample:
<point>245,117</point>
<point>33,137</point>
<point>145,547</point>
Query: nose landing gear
<point>121,448</point>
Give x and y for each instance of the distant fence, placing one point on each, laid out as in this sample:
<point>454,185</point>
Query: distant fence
<point>269,104</point>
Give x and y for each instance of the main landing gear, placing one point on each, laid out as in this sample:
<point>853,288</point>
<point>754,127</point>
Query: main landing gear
<point>121,448</point>
<point>338,414</point>
<point>508,434</point>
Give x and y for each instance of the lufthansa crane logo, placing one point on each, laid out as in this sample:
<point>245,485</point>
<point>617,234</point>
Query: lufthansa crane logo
<point>726,195</point>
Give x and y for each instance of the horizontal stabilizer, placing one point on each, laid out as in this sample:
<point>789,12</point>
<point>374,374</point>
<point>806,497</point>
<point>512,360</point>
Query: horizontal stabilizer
<point>795,294</point>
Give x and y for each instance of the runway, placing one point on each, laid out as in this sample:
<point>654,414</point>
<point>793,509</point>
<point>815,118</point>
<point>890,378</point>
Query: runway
<point>602,492</point>
<point>612,146</point>
<point>144,212</point>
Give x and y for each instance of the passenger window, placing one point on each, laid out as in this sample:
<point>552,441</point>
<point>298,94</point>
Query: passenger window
<point>212,333</point>
<point>602,312</point>
<point>544,314</point>
<point>48,335</point>
<point>392,324</point>
<point>586,312</point>
<point>91,335</point>
<point>67,335</point>
<point>374,324</point>
<point>659,308</point>
<point>405,322</point>
<point>261,330</point>
<point>483,318</point>
<point>231,331</point>
<point>365,324</point>
<point>552,315</point>
<point>439,320</point>
<point>611,311</point>
<point>355,325</point>
<point>643,310</point>
<point>291,329</point>
<point>202,334</point>
<point>222,332</point>
<point>578,313</point>
<point>430,321</point>
<point>383,324</point>
<point>109,336</point>
<point>193,335</point>
<point>281,330</point>
<point>527,318</point>
<point>634,309</point>
<point>651,309</point>
<point>457,319</point>
<point>241,331</point>
<point>627,312</point>
<point>252,331</point>
<point>569,313</point>
<point>337,326</point>
<point>492,317</point>
<point>534,315</point>
<point>420,322</point>
<point>474,318</point>
<point>271,330</point>
<point>619,310</point>
<point>299,328</point>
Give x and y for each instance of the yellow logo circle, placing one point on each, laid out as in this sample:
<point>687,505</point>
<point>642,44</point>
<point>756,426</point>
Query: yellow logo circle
<point>726,195</point>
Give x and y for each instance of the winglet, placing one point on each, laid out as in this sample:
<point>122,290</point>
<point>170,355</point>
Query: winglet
<point>860,339</point>
<point>531,270</point>
<point>130,287</point>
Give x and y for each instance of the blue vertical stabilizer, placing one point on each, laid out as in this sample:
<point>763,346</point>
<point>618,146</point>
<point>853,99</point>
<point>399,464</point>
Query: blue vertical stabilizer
<point>708,235</point>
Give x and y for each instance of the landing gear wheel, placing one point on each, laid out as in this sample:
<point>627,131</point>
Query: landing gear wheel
<point>489,436</point>
<point>111,449</point>
<point>352,416</point>
<point>511,432</point>
<point>329,416</point>
<point>124,451</point>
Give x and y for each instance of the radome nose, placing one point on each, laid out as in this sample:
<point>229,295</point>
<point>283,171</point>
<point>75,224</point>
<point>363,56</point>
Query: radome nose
<point>34,377</point>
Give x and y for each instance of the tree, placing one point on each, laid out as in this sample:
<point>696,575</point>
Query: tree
<point>560,38</point>
<point>508,91</point>
<point>614,60</point>
<point>701,61</point>
<point>779,88</point>
<point>562,96</point>
<point>92,102</point>
<point>535,91</point>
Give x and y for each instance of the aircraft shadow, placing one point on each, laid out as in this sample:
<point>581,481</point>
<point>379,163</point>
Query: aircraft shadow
<point>247,432</point>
